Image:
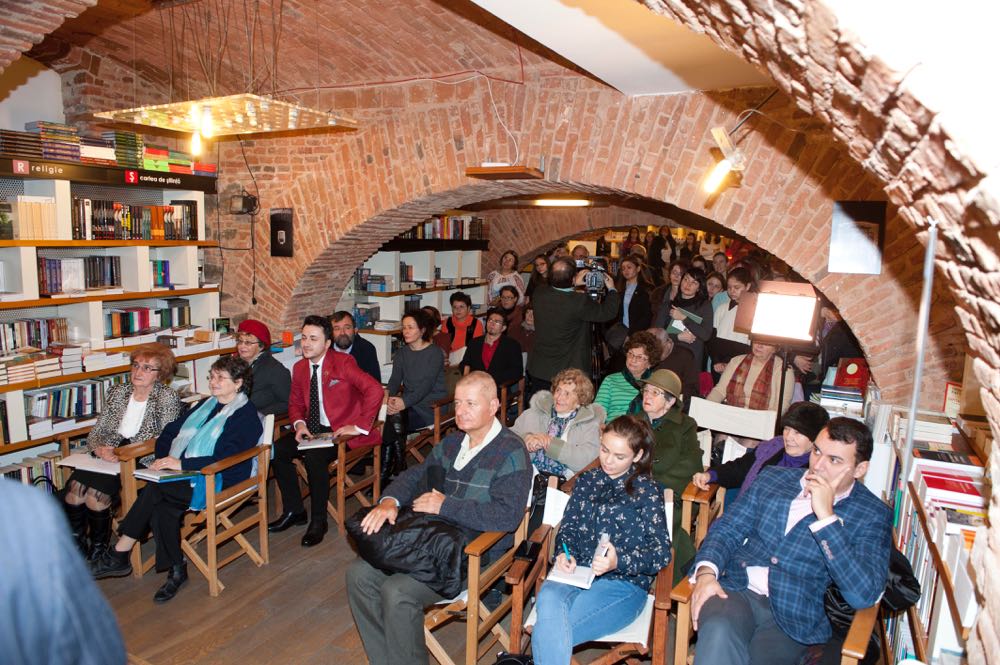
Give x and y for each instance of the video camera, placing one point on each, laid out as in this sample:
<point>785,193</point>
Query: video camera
<point>594,281</point>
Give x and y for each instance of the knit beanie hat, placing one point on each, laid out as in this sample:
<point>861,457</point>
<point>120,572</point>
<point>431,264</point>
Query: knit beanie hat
<point>806,418</point>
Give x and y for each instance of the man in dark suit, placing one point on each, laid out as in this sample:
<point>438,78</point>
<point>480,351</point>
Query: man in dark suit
<point>762,572</point>
<point>494,353</point>
<point>330,393</point>
<point>346,340</point>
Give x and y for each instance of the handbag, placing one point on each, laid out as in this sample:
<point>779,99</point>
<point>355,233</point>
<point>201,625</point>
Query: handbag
<point>504,658</point>
<point>428,548</point>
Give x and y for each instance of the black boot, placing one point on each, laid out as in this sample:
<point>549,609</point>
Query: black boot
<point>77,516</point>
<point>176,578</point>
<point>111,563</point>
<point>99,522</point>
<point>393,438</point>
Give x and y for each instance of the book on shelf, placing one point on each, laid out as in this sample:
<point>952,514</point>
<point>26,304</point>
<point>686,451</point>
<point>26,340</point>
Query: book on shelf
<point>98,219</point>
<point>221,324</point>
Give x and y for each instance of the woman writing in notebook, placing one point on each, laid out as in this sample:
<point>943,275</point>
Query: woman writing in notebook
<point>622,500</point>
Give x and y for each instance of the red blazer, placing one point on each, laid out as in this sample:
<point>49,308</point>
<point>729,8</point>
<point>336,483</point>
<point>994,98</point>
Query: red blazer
<point>350,395</point>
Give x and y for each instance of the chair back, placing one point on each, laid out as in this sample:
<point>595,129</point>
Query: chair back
<point>732,419</point>
<point>668,505</point>
<point>266,438</point>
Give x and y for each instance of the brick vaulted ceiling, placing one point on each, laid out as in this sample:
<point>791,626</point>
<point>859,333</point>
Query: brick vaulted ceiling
<point>321,43</point>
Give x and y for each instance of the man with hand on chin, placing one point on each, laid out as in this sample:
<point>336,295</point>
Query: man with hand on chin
<point>762,571</point>
<point>486,479</point>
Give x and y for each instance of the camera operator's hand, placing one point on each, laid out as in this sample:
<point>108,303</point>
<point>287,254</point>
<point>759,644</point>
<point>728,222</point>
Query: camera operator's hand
<point>608,282</point>
<point>581,277</point>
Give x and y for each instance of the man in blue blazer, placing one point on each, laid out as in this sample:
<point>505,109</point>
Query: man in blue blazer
<point>761,574</point>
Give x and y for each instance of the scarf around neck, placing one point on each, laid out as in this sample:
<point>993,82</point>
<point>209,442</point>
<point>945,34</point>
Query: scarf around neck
<point>557,425</point>
<point>760,395</point>
<point>199,432</point>
<point>635,406</point>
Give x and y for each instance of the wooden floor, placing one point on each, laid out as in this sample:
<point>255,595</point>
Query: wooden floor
<point>293,610</point>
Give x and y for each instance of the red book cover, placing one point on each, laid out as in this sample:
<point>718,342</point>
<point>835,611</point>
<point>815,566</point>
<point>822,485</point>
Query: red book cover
<point>852,373</point>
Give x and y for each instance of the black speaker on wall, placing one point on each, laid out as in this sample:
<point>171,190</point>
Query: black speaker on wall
<point>281,231</point>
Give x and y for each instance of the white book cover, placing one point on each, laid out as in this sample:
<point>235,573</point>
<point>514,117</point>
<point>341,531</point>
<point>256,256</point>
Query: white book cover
<point>87,463</point>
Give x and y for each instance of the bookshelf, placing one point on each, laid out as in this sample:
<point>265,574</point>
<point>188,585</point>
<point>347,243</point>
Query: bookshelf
<point>159,217</point>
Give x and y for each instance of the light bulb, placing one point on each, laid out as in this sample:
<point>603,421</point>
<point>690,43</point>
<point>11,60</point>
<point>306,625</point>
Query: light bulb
<point>196,143</point>
<point>195,116</point>
<point>717,175</point>
<point>207,125</point>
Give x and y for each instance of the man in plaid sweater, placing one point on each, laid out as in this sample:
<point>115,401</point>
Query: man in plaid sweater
<point>486,480</point>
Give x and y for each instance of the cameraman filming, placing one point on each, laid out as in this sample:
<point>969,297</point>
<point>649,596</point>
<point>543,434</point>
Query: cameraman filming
<point>563,318</point>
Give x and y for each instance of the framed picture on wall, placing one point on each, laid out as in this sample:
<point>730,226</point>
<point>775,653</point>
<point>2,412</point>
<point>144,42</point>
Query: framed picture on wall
<point>281,231</point>
<point>857,235</point>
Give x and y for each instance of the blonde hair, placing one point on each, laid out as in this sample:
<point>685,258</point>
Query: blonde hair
<point>580,381</point>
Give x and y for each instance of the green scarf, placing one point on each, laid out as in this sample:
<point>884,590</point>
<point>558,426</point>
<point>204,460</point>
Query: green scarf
<point>635,406</point>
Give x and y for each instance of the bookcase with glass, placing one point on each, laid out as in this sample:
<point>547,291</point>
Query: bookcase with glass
<point>424,266</point>
<point>93,262</point>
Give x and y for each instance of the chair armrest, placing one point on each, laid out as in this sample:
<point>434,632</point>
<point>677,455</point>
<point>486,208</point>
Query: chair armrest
<point>443,402</point>
<point>856,642</point>
<point>483,542</point>
<point>136,450</point>
<point>520,568</point>
<point>682,592</point>
<point>692,493</point>
<point>232,460</point>
<point>509,383</point>
<point>661,588</point>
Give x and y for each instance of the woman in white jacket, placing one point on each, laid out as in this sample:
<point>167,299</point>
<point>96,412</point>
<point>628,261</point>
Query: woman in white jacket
<point>562,428</point>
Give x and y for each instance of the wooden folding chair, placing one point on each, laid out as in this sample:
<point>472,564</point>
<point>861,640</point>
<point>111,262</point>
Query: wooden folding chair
<point>430,436</point>
<point>481,622</point>
<point>509,397</point>
<point>646,636</point>
<point>343,485</point>
<point>214,525</point>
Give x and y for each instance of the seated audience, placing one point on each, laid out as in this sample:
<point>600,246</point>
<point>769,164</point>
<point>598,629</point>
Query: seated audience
<point>417,369</point>
<point>689,250</point>
<point>486,480</point>
<point>619,392</point>
<point>561,429</point>
<point>678,359</point>
<point>133,411</point>
<point>272,382</point>
<point>676,454</point>
<point>752,381</point>
<point>579,253</point>
<point>792,448</point>
<point>689,318</point>
<point>715,284</point>
<point>720,263</point>
<point>507,275</point>
<point>347,340</point>
<point>836,342</point>
<point>762,572</point>
<point>635,312</point>
<point>700,263</point>
<point>661,298</point>
<point>330,394</point>
<point>461,326</point>
<point>494,353</point>
<point>53,611</point>
<point>633,239</point>
<point>439,337</point>
<point>219,426</point>
<point>619,499</point>
<point>661,254</point>
<point>727,343</point>
<point>711,245</point>
<point>523,331</point>
<point>513,312</point>
<point>539,275</point>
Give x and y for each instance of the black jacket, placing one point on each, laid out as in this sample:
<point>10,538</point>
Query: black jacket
<point>366,357</point>
<point>640,311</point>
<point>270,385</point>
<point>507,362</point>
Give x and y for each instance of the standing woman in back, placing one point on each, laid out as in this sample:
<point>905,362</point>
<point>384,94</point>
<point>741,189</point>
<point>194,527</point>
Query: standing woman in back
<point>689,319</point>
<point>621,499</point>
<point>507,274</point>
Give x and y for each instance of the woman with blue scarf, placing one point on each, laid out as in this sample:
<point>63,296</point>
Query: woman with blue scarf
<point>216,428</point>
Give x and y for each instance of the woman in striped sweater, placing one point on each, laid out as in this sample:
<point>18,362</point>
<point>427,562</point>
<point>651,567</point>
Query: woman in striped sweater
<point>619,392</point>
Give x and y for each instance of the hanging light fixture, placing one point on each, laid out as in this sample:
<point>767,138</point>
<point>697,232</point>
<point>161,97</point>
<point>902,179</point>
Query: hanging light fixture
<point>733,159</point>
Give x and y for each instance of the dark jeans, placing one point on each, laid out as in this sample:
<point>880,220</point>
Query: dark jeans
<point>161,507</point>
<point>317,463</point>
<point>740,630</point>
<point>389,613</point>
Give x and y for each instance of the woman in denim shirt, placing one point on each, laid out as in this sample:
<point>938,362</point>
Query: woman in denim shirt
<point>620,499</point>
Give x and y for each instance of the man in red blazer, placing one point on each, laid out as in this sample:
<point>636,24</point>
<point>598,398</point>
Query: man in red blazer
<point>330,393</point>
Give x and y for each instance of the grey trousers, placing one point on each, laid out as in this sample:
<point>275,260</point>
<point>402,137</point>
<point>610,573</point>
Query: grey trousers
<point>740,630</point>
<point>389,613</point>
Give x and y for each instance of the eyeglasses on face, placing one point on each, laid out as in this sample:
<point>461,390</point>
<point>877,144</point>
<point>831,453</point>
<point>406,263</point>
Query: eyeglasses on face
<point>247,341</point>
<point>636,355</point>
<point>653,392</point>
<point>142,367</point>
<point>218,376</point>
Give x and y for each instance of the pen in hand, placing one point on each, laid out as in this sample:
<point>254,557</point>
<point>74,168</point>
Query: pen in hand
<point>566,552</point>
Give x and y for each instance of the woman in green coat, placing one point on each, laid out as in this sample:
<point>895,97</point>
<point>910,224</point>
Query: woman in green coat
<point>676,455</point>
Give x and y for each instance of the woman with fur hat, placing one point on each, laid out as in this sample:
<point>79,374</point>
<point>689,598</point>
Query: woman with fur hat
<point>802,422</point>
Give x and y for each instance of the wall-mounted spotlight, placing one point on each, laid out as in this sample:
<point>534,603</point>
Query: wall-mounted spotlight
<point>733,159</point>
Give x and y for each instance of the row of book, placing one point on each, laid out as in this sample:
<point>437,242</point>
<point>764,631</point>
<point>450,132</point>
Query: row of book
<point>28,218</point>
<point>126,321</point>
<point>160,272</point>
<point>128,147</point>
<point>449,227</point>
<point>95,219</point>
<point>20,144</point>
<point>31,471</point>
<point>38,333</point>
<point>59,141</point>
<point>77,274</point>
<point>97,151</point>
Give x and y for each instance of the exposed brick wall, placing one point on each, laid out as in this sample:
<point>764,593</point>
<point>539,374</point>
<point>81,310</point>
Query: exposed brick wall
<point>26,22</point>
<point>898,138</point>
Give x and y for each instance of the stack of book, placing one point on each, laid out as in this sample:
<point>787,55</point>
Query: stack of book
<point>180,162</point>
<point>20,368</point>
<point>843,389</point>
<point>31,469</point>
<point>70,355</point>
<point>202,168</point>
<point>98,151</point>
<point>155,157</point>
<point>98,360</point>
<point>59,141</point>
<point>128,148</point>
<point>20,144</point>
<point>35,333</point>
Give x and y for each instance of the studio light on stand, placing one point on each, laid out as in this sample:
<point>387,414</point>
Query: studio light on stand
<point>785,314</point>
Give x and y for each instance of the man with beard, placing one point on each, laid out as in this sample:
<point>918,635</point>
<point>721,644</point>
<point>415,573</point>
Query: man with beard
<point>346,340</point>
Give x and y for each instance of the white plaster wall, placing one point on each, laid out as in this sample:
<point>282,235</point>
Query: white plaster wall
<point>29,91</point>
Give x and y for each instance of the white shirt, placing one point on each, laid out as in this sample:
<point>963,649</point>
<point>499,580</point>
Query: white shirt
<point>132,420</point>
<point>467,454</point>
<point>800,507</point>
